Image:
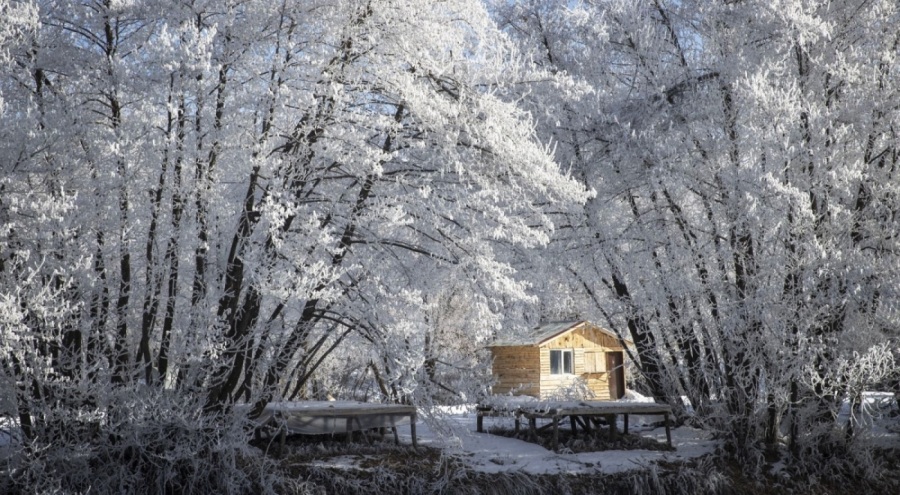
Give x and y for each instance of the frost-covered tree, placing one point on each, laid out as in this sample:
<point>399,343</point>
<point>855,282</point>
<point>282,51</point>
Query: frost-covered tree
<point>742,235</point>
<point>203,201</point>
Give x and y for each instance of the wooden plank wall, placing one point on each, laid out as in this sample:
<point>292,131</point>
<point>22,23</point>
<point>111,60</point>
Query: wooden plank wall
<point>583,340</point>
<point>516,369</point>
<point>550,384</point>
<point>599,384</point>
<point>525,370</point>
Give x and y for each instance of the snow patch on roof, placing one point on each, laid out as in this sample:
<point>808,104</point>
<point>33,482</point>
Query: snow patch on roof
<point>547,331</point>
<point>539,334</point>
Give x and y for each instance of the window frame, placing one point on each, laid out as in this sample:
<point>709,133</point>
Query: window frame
<point>562,361</point>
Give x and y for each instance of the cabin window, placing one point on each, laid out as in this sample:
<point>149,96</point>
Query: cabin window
<point>561,362</point>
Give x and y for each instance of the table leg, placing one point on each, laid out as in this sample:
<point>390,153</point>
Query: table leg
<point>611,419</point>
<point>363,432</point>
<point>555,433</point>
<point>668,430</point>
<point>349,423</point>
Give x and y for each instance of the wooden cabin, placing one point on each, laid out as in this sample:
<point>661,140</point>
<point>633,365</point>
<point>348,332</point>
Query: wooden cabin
<point>554,355</point>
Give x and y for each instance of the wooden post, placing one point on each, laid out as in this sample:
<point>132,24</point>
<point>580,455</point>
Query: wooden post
<point>625,429</point>
<point>518,424</point>
<point>349,424</point>
<point>532,426</point>
<point>668,430</point>
<point>282,437</point>
<point>611,419</point>
<point>363,432</point>
<point>555,433</point>
<point>412,429</point>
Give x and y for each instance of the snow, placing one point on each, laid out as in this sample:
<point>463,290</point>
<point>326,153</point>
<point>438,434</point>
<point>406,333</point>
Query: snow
<point>9,437</point>
<point>575,406</point>
<point>874,405</point>
<point>338,462</point>
<point>874,414</point>
<point>6,427</point>
<point>642,410</point>
<point>320,417</point>
<point>338,406</point>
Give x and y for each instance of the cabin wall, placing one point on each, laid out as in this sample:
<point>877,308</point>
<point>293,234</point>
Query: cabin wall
<point>589,362</point>
<point>598,383</point>
<point>525,370</point>
<point>551,384</point>
<point>584,338</point>
<point>516,370</point>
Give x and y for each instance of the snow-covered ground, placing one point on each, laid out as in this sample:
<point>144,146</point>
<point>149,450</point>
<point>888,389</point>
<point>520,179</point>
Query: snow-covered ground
<point>8,438</point>
<point>874,415</point>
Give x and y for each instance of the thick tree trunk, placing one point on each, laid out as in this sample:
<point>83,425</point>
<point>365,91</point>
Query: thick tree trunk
<point>644,341</point>
<point>172,249</point>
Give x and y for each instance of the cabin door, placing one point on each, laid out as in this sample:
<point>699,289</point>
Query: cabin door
<point>616,370</point>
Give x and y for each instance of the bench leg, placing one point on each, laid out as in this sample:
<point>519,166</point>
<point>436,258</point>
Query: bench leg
<point>555,433</point>
<point>611,419</point>
<point>412,429</point>
<point>479,423</point>
<point>282,438</point>
<point>363,432</point>
<point>668,430</point>
<point>349,429</point>
<point>625,429</point>
<point>574,424</point>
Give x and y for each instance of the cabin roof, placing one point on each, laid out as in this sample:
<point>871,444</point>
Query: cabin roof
<point>547,331</point>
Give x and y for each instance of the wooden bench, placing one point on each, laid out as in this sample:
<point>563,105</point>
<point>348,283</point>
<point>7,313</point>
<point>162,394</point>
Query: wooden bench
<point>318,417</point>
<point>585,414</point>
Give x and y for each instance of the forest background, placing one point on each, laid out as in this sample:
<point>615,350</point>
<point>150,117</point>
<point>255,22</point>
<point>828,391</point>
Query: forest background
<point>210,202</point>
